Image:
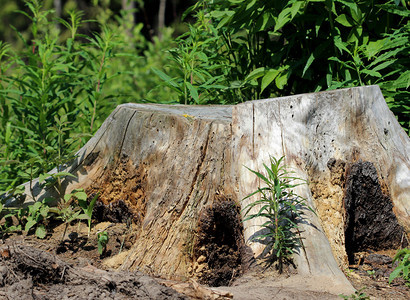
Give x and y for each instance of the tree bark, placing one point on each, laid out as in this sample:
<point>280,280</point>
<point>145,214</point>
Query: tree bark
<point>57,6</point>
<point>161,17</point>
<point>180,171</point>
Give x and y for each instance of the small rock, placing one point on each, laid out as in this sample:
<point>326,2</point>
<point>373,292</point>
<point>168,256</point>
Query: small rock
<point>378,259</point>
<point>379,273</point>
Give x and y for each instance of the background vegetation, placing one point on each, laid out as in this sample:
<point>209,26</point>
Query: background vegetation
<point>65,65</point>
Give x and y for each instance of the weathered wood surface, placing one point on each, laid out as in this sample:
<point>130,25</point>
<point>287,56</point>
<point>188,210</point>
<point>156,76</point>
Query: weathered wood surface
<point>166,163</point>
<point>315,132</point>
<point>170,164</point>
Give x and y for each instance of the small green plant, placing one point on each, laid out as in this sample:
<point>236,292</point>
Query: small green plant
<point>358,295</point>
<point>198,66</point>
<point>9,220</point>
<point>68,209</point>
<point>87,207</point>
<point>52,93</point>
<point>372,273</point>
<point>402,270</point>
<point>38,215</point>
<point>281,208</point>
<point>102,242</point>
<point>73,206</point>
<point>349,272</point>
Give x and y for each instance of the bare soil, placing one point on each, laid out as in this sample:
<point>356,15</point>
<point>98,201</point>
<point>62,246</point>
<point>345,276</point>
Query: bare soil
<point>72,268</point>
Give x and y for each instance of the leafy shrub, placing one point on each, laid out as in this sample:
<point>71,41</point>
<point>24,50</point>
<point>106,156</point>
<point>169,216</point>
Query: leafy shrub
<point>37,216</point>
<point>200,70</point>
<point>281,208</point>
<point>258,49</point>
<point>54,93</point>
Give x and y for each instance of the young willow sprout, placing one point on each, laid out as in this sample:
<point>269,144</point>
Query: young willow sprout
<point>281,208</point>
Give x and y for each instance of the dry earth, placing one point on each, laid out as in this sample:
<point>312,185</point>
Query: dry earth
<point>71,268</point>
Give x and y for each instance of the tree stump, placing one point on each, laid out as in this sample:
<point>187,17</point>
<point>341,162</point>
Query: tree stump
<point>178,173</point>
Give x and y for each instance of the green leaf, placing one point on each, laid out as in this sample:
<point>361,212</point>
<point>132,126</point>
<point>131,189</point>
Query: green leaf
<point>35,207</point>
<point>166,78</point>
<point>281,80</point>
<point>29,224</point>
<point>396,272</point>
<point>356,13</point>
<point>193,92</point>
<point>83,217</point>
<point>255,74</point>
<point>308,63</point>
<point>295,8</point>
<point>91,205</point>
<point>283,18</point>
<point>268,78</point>
<point>372,73</point>
<point>345,20</point>
<point>265,21</point>
<point>398,10</point>
<point>44,211</point>
<point>384,65</point>
<point>41,231</point>
<point>261,176</point>
<point>81,195</point>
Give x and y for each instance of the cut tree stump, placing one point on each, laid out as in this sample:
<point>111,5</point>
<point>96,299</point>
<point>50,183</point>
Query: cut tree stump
<point>178,173</point>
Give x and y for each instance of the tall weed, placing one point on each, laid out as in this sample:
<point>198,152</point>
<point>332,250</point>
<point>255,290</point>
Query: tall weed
<point>282,210</point>
<point>56,92</point>
<point>50,94</point>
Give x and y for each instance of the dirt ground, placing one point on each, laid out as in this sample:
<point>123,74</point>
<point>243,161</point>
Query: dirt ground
<point>72,268</point>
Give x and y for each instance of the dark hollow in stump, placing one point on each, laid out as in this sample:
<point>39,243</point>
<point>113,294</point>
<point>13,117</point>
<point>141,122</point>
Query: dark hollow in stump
<point>370,221</point>
<point>219,249</point>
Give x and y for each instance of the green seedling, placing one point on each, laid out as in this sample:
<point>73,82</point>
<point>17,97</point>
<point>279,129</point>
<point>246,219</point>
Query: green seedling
<point>372,273</point>
<point>87,207</point>
<point>35,216</point>
<point>281,208</point>
<point>102,242</point>
<point>349,272</point>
